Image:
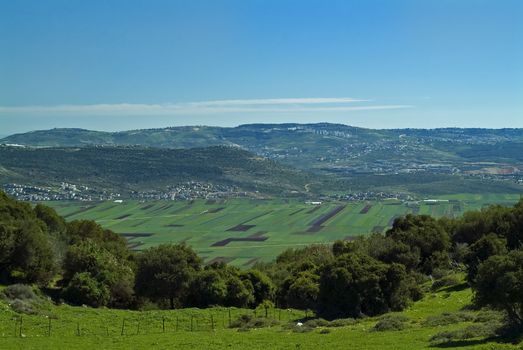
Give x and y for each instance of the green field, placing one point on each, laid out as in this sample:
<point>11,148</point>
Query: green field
<point>242,231</point>
<point>68,327</point>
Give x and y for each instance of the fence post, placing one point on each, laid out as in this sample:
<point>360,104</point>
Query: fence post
<point>163,324</point>
<point>123,326</point>
<point>78,328</point>
<point>21,324</point>
<point>138,327</point>
<point>229,317</point>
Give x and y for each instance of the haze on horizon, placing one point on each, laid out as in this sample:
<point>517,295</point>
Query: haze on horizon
<point>123,65</point>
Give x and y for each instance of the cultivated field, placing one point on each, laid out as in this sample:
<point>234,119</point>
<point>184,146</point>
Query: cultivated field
<point>243,231</point>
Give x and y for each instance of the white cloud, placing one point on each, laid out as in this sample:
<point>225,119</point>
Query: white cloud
<point>280,105</point>
<point>277,101</point>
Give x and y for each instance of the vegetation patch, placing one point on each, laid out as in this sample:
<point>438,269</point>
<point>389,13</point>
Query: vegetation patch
<point>220,260</point>
<point>479,330</point>
<point>447,318</point>
<point>246,322</point>
<point>445,281</point>
<point>22,299</point>
<point>391,322</point>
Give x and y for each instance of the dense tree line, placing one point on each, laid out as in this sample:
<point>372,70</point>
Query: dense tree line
<point>368,276</point>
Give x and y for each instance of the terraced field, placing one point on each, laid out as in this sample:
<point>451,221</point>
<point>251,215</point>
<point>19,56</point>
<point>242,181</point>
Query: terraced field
<point>243,231</point>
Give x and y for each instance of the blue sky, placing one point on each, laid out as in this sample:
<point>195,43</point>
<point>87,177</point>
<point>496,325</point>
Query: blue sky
<point>116,65</point>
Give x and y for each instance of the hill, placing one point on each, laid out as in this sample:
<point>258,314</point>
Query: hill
<point>130,169</point>
<point>422,161</point>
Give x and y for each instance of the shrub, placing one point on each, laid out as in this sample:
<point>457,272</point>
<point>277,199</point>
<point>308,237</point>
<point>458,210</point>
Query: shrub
<point>23,307</point>
<point>298,327</point>
<point>447,318</point>
<point>342,322</point>
<point>473,331</point>
<point>19,291</point>
<point>22,299</point>
<point>317,322</point>
<point>245,322</point>
<point>320,322</point>
<point>445,281</point>
<point>390,323</point>
<point>489,316</point>
<point>84,289</point>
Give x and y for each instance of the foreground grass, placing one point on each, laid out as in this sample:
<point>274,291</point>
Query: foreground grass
<point>87,328</point>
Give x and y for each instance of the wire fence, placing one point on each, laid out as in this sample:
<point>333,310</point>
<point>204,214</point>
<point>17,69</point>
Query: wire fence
<point>135,324</point>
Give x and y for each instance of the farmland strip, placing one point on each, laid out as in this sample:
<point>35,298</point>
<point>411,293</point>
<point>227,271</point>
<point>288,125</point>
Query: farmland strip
<point>366,209</point>
<point>149,206</point>
<point>296,212</point>
<point>314,209</point>
<point>242,227</point>
<point>121,217</point>
<point>322,219</point>
<point>316,225</point>
<point>81,210</point>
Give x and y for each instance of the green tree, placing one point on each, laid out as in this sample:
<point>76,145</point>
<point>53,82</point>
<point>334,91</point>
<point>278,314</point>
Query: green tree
<point>302,291</point>
<point>208,288</point>
<point>166,272</point>
<point>239,293</point>
<point>26,254</point>
<point>84,289</point>
<point>356,284</point>
<point>499,284</point>
<point>263,287</point>
<point>481,250</point>
<point>426,237</point>
<point>111,274</point>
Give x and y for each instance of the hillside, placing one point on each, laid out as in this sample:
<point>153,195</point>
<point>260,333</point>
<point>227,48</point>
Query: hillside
<point>137,168</point>
<point>420,161</point>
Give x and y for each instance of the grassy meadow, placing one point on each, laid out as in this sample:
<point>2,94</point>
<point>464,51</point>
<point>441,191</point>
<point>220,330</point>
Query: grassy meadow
<point>87,328</point>
<point>243,231</point>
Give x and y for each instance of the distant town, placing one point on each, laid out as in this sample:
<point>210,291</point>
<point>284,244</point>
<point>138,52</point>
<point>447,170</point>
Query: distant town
<point>186,191</point>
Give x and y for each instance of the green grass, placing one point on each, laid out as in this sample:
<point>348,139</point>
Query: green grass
<point>101,329</point>
<point>284,222</point>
